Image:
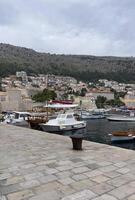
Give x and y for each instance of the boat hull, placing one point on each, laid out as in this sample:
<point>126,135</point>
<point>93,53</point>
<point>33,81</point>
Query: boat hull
<point>121,138</point>
<point>50,128</point>
<point>22,124</point>
<point>121,119</point>
<point>92,117</point>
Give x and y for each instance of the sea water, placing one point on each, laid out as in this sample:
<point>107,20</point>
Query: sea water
<point>99,131</point>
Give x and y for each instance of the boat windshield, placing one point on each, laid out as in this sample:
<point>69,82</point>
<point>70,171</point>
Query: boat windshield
<point>69,116</point>
<point>16,115</point>
<point>61,116</point>
<point>64,116</point>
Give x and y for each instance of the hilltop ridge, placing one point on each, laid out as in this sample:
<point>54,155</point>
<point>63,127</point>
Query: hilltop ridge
<point>85,67</point>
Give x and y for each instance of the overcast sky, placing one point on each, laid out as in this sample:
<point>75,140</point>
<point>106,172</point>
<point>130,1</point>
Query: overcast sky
<point>95,27</point>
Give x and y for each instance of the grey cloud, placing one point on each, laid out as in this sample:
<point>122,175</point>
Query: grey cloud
<point>100,27</point>
<point>8,13</point>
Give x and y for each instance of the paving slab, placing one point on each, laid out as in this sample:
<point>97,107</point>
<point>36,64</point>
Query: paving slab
<point>83,195</point>
<point>36,165</point>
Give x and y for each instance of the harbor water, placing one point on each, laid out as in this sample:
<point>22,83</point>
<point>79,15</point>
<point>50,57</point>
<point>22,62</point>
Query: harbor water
<point>100,130</point>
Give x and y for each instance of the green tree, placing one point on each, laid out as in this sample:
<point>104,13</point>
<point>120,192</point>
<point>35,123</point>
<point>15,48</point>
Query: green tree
<point>83,92</point>
<point>115,102</point>
<point>45,95</point>
<point>101,101</point>
<point>117,95</point>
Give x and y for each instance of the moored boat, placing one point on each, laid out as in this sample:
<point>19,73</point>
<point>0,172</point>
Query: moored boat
<point>88,115</point>
<point>123,136</point>
<point>37,118</point>
<point>63,122</point>
<point>16,118</point>
<point>120,118</point>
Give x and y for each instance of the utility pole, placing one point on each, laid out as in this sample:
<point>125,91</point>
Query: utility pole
<point>46,81</point>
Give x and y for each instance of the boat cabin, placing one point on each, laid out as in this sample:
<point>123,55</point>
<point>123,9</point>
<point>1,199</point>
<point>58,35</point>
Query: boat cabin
<point>65,116</point>
<point>21,115</point>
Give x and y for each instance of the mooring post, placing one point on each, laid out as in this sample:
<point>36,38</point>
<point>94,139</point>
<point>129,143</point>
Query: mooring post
<point>77,141</point>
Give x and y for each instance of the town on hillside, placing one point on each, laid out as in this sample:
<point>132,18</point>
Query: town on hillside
<point>22,92</point>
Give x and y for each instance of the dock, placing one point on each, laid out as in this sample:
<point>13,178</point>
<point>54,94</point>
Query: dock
<point>36,165</point>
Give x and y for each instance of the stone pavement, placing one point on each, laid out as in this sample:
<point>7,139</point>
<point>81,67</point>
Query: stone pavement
<point>36,165</point>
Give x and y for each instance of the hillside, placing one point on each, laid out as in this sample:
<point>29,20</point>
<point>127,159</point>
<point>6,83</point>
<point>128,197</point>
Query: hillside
<point>87,68</point>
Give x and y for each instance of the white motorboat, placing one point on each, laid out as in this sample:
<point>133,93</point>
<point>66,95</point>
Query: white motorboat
<point>16,118</point>
<point>20,118</point>
<point>121,118</point>
<point>63,122</point>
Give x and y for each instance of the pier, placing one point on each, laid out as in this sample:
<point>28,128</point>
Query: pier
<point>35,165</point>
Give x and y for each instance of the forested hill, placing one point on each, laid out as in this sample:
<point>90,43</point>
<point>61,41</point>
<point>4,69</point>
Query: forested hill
<point>82,67</point>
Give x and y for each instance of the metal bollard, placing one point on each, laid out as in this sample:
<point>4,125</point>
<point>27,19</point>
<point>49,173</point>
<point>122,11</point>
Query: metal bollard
<point>77,141</point>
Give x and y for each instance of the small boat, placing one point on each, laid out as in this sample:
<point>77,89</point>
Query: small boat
<point>16,118</point>
<point>121,118</point>
<point>91,115</point>
<point>123,136</point>
<point>63,122</point>
<point>37,118</point>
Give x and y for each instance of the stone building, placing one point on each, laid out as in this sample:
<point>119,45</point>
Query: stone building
<point>13,100</point>
<point>129,99</point>
<point>85,102</point>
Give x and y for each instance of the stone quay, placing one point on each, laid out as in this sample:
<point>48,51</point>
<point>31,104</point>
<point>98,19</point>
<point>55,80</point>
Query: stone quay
<point>36,165</point>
